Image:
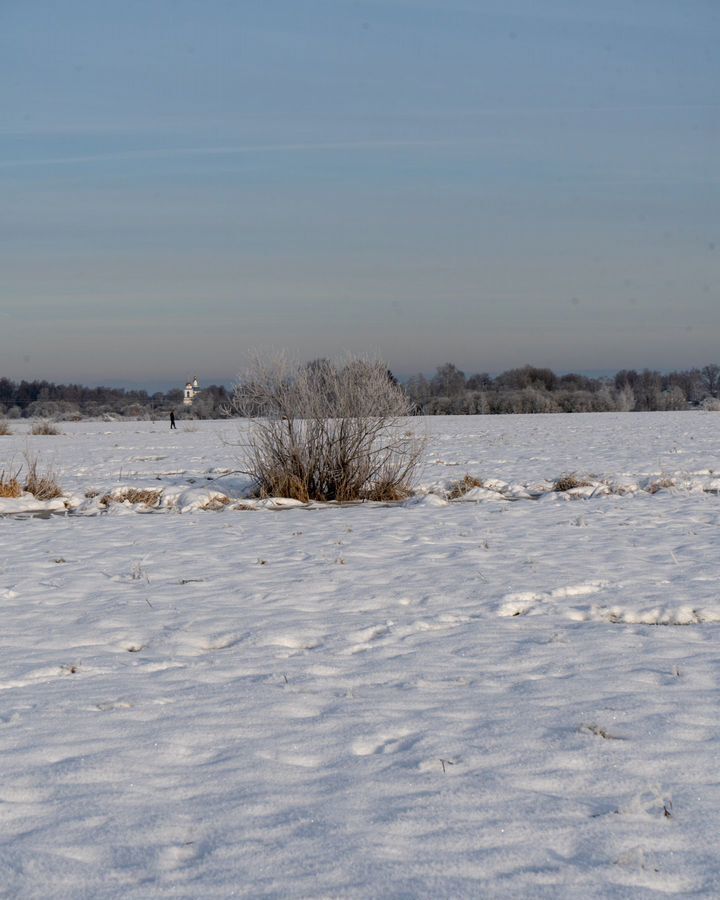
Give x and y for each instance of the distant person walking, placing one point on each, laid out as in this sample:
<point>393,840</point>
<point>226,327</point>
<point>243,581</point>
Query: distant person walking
<point>172,420</point>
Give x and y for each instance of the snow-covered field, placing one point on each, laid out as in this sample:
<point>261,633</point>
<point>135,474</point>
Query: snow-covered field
<point>514,694</point>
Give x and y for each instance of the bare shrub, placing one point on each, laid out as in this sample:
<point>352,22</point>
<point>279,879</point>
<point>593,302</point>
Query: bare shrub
<point>45,427</point>
<point>4,428</point>
<point>9,485</point>
<point>569,482</point>
<point>327,430</point>
<point>460,488</point>
<point>42,485</point>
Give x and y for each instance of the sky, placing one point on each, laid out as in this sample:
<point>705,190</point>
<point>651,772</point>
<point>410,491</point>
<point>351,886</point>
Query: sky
<point>484,182</point>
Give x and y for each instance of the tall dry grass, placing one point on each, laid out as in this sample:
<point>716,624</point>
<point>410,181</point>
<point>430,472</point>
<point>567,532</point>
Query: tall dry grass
<point>45,427</point>
<point>10,486</point>
<point>41,483</point>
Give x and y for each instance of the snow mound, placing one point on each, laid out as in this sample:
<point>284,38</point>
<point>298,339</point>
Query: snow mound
<point>650,615</point>
<point>186,500</point>
<point>425,500</point>
<point>563,601</point>
<point>27,503</point>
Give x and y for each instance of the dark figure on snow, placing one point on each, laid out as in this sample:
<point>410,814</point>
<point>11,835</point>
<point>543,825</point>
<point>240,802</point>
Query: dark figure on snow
<point>172,420</point>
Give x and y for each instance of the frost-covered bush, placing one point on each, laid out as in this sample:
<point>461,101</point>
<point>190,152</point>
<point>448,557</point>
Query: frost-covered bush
<point>327,430</point>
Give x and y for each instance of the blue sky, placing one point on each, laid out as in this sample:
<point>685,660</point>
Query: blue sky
<point>488,183</point>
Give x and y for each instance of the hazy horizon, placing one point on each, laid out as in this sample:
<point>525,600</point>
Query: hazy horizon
<point>484,183</point>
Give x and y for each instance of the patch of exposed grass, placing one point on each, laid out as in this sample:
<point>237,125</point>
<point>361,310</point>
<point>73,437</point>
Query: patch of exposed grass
<point>569,482</point>
<point>460,488</point>
<point>660,484</point>
<point>592,728</point>
<point>387,492</point>
<point>280,484</point>
<point>217,502</point>
<point>148,496</point>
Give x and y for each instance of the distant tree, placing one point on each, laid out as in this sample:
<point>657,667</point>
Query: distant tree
<point>625,398</point>
<point>574,382</point>
<point>527,376</point>
<point>673,399</point>
<point>626,378</point>
<point>448,381</point>
<point>418,389</point>
<point>711,378</point>
<point>479,382</point>
<point>43,409</point>
<point>648,391</point>
<point>690,383</point>
<point>7,390</point>
<point>174,397</point>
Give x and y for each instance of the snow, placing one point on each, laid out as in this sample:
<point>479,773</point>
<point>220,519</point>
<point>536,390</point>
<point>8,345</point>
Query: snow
<point>510,694</point>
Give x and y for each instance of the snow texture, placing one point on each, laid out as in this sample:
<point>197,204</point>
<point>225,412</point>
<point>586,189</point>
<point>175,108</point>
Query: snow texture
<point>509,694</point>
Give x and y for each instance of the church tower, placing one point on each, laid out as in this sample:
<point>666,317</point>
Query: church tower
<point>191,389</point>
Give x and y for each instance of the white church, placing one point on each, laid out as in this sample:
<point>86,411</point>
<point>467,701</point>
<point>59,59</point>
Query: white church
<point>191,390</point>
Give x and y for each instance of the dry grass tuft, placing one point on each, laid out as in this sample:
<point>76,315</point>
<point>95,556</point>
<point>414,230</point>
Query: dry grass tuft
<point>9,485</point>
<point>42,485</point>
<point>217,503</point>
<point>460,488</point>
<point>660,484</point>
<point>278,483</point>
<point>569,482</point>
<point>380,491</point>
<point>4,427</point>
<point>148,496</point>
<point>387,492</point>
<point>45,428</point>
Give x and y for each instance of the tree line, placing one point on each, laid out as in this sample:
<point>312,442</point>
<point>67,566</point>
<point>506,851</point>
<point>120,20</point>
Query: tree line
<point>449,391</point>
<point>539,390</point>
<point>46,400</point>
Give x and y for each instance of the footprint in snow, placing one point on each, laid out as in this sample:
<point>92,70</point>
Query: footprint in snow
<point>362,640</point>
<point>382,744</point>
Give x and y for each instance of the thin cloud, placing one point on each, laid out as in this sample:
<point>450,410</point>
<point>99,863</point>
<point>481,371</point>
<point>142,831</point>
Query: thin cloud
<point>164,152</point>
<point>588,109</point>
